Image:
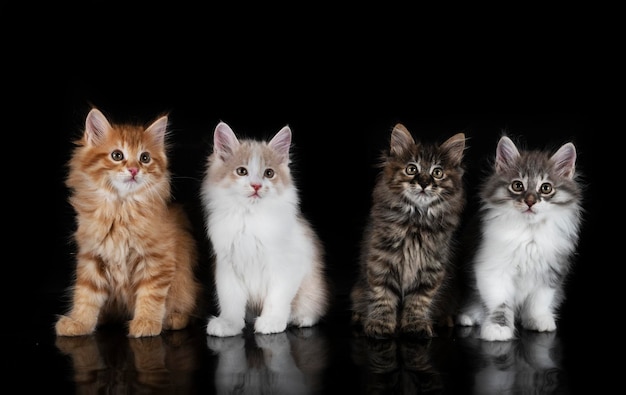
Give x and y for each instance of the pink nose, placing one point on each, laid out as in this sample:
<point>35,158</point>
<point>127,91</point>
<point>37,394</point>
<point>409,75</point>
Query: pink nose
<point>256,186</point>
<point>133,171</point>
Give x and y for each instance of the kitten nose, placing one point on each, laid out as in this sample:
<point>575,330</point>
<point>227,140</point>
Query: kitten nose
<point>133,171</point>
<point>423,180</point>
<point>530,200</point>
<point>256,186</point>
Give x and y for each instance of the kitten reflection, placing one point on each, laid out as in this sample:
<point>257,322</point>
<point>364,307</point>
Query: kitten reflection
<point>110,362</point>
<point>398,366</point>
<point>290,362</point>
<point>529,364</point>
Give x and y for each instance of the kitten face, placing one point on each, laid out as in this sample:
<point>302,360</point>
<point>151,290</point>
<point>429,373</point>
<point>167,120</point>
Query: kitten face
<point>123,158</point>
<point>423,174</point>
<point>532,183</point>
<point>250,171</point>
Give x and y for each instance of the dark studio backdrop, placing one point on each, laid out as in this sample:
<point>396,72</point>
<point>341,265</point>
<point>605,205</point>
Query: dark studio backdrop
<point>340,87</point>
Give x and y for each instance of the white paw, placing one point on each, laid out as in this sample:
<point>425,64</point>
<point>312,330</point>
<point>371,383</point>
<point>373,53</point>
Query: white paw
<point>543,323</point>
<point>465,320</point>
<point>222,328</point>
<point>266,325</point>
<point>304,322</point>
<point>495,332</point>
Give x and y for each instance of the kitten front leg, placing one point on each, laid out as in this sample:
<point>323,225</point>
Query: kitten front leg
<point>89,296</point>
<point>149,310</point>
<point>276,310</point>
<point>499,324</point>
<point>415,322</point>
<point>537,313</point>
<point>415,315</point>
<point>380,320</point>
<point>495,290</point>
<point>232,300</point>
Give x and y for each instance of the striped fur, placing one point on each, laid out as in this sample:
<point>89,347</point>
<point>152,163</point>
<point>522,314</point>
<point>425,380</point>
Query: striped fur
<point>409,241</point>
<point>136,254</point>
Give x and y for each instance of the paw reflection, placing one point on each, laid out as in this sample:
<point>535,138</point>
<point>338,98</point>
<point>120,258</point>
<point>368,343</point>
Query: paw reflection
<point>111,362</point>
<point>399,366</point>
<point>290,362</point>
<point>528,364</point>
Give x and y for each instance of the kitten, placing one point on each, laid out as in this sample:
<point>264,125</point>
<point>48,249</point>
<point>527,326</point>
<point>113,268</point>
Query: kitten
<point>136,254</point>
<point>530,218</point>
<point>269,261</point>
<point>408,243</point>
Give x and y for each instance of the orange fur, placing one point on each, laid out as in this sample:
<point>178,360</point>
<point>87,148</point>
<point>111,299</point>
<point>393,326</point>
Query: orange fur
<point>136,253</point>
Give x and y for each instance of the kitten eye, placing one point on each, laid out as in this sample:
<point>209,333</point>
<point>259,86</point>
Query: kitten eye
<point>546,188</point>
<point>269,173</point>
<point>242,171</point>
<point>437,172</point>
<point>517,186</point>
<point>411,169</point>
<point>144,157</point>
<point>117,155</point>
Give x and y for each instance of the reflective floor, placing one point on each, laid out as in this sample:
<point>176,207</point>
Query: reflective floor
<point>328,358</point>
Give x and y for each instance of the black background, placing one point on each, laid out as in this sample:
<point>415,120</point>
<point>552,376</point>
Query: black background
<point>341,78</point>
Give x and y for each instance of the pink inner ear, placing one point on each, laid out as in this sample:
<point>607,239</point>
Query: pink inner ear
<point>506,153</point>
<point>224,140</point>
<point>281,142</point>
<point>565,160</point>
<point>96,126</point>
<point>158,130</point>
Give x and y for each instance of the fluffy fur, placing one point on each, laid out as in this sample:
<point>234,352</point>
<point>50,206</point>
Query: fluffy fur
<point>136,254</point>
<point>409,241</point>
<point>269,262</point>
<point>530,218</point>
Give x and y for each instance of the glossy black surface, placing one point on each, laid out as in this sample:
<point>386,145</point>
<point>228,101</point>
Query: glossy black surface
<point>341,82</point>
<point>328,358</point>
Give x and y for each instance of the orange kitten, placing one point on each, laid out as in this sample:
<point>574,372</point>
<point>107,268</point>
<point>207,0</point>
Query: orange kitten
<point>136,253</point>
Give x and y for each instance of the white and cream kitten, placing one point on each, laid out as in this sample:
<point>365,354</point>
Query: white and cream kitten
<point>530,219</point>
<point>269,262</point>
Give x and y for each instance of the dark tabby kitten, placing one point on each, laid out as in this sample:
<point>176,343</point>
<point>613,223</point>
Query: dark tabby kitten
<point>409,240</point>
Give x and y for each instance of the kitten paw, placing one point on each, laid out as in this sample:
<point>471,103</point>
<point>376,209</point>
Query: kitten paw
<point>417,329</point>
<point>224,328</point>
<point>267,325</point>
<point>544,323</point>
<point>495,332</point>
<point>379,329</point>
<point>67,326</point>
<point>465,320</point>
<point>176,321</point>
<point>304,322</point>
<point>140,327</point>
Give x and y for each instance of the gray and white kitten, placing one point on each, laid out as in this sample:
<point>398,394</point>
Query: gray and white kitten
<point>530,219</point>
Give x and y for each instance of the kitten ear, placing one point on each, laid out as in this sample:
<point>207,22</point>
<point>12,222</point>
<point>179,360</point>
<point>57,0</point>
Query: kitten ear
<point>224,141</point>
<point>401,140</point>
<point>454,148</point>
<point>506,153</point>
<point>96,127</point>
<point>565,160</point>
<point>158,129</point>
<point>281,142</point>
